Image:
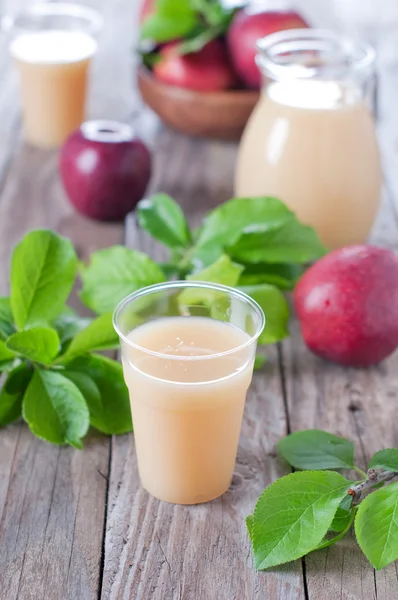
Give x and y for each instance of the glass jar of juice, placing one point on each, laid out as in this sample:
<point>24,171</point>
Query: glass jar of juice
<point>311,139</point>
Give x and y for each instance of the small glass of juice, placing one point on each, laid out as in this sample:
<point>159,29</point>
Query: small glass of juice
<point>52,45</point>
<point>188,350</point>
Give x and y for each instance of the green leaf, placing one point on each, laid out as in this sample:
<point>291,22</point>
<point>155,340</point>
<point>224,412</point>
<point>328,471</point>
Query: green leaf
<point>43,270</point>
<point>290,242</point>
<point>214,12</point>
<point>6,318</point>
<point>172,19</point>
<point>226,224</point>
<point>223,271</point>
<point>39,344</point>
<point>329,541</point>
<point>98,335</point>
<point>68,324</point>
<point>293,515</point>
<point>249,525</point>
<point>199,40</point>
<point>114,273</point>
<point>316,449</point>
<point>276,310</point>
<point>6,354</point>
<point>343,515</point>
<point>55,409</point>
<point>385,459</point>
<point>12,393</point>
<point>376,526</point>
<point>111,414</point>
<point>283,276</point>
<point>164,220</point>
<point>259,361</point>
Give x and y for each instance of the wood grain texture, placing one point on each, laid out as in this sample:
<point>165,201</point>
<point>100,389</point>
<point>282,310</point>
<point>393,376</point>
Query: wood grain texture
<point>358,404</point>
<point>52,501</point>
<point>164,552</point>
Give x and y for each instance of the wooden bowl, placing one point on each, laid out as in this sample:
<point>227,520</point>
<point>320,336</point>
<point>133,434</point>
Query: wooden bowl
<point>218,115</point>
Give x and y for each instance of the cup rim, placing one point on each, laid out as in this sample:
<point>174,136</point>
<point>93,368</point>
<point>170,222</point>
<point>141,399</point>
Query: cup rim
<point>93,18</point>
<point>157,287</point>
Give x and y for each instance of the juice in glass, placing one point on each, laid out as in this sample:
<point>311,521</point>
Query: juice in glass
<point>52,46</point>
<point>188,373</point>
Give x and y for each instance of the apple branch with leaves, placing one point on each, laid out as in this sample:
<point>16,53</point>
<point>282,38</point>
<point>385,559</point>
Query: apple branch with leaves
<point>316,507</point>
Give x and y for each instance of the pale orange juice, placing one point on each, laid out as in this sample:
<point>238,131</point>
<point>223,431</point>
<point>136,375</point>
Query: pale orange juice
<point>53,70</point>
<point>313,144</point>
<point>187,413</point>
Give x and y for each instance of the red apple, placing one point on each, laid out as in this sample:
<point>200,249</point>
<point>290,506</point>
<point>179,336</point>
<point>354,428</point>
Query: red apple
<point>248,26</point>
<point>347,305</point>
<point>206,71</point>
<point>105,169</point>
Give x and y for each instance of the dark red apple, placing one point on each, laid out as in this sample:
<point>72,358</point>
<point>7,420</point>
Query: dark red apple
<point>248,26</point>
<point>206,71</point>
<point>105,169</point>
<point>347,305</point>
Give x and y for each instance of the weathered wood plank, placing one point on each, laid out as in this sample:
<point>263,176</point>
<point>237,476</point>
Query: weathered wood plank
<point>164,552</point>
<point>52,501</point>
<point>358,404</point>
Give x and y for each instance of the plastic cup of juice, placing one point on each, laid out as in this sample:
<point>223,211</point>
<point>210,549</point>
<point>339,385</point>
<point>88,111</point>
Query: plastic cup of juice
<point>188,350</point>
<point>52,45</point>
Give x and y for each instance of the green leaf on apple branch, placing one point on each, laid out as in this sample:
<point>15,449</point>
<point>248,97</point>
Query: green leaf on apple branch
<point>43,270</point>
<point>343,515</point>
<point>113,273</point>
<point>290,242</point>
<point>12,393</point>
<point>225,225</point>
<point>329,540</point>
<point>249,525</point>
<point>223,271</point>
<point>316,449</point>
<point>276,310</point>
<point>55,409</point>
<point>39,344</point>
<point>6,354</point>
<point>376,526</point>
<point>68,324</point>
<point>282,275</point>
<point>172,19</point>
<point>97,336</point>
<point>110,413</point>
<point>164,220</point>
<point>6,318</point>
<point>385,459</point>
<point>293,515</point>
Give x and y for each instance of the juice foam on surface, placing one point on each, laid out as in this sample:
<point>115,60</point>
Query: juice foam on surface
<point>53,47</point>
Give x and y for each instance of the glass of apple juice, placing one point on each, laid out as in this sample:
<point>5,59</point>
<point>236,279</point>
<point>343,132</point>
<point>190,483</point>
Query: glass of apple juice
<point>52,45</point>
<point>188,350</point>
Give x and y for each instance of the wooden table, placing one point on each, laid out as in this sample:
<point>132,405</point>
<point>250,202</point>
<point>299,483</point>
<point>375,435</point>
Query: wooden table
<point>76,525</point>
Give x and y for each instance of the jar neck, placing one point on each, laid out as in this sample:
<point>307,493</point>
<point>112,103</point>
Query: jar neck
<point>308,54</point>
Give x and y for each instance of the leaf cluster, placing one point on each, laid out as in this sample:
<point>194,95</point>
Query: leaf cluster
<point>313,508</point>
<point>194,22</point>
